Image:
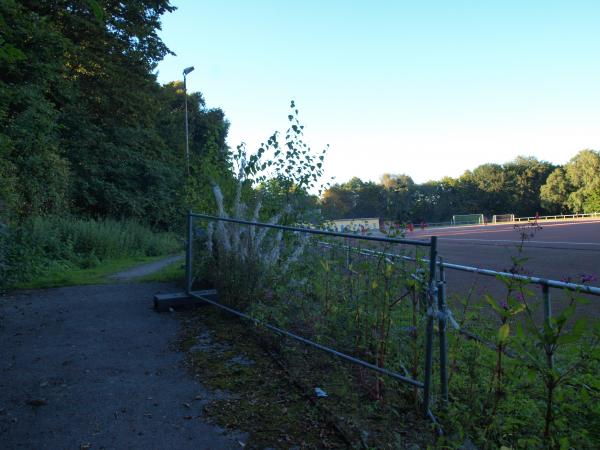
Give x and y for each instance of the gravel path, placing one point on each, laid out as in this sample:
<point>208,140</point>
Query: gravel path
<point>145,269</point>
<point>92,367</point>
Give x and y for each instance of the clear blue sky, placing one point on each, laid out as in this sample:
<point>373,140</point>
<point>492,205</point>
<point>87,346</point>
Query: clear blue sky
<point>426,88</point>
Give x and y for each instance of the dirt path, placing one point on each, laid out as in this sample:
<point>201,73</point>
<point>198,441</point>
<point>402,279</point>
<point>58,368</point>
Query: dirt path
<point>145,269</point>
<point>92,367</point>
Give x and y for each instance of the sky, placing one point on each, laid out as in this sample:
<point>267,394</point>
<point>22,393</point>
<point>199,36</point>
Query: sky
<point>428,88</point>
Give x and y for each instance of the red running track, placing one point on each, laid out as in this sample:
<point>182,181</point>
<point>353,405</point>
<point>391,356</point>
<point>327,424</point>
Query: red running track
<point>558,250</point>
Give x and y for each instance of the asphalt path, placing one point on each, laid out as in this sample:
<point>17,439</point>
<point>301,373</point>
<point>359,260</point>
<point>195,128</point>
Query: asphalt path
<point>93,367</point>
<point>146,269</point>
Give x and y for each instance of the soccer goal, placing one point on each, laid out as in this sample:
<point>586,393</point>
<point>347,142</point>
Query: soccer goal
<point>467,219</point>
<point>499,218</point>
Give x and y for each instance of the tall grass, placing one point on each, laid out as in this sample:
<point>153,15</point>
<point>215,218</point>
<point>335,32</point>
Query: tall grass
<point>43,243</point>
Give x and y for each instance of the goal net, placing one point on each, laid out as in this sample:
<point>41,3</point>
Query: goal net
<point>499,218</point>
<point>467,219</point>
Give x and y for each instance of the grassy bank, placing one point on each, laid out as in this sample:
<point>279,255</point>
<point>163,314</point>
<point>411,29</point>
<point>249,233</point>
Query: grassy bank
<point>59,275</point>
<point>57,251</point>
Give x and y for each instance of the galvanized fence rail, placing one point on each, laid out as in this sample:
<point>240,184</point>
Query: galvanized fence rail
<point>556,217</point>
<point>575,287</point>
<point>451,224</point>
<point>433,283</point>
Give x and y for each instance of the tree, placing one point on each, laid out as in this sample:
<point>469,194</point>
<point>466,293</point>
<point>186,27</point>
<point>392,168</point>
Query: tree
<point>354,199</point>
<point>209,153</point>
<point>33,167</point>
<point>576,186</point>
<point>337,202</point>
<point>397,194</point>
<point>583,172</point>
<point>489,187</point>
<point>555,192</point>
<point>526,175</point>
<point>85,127</point>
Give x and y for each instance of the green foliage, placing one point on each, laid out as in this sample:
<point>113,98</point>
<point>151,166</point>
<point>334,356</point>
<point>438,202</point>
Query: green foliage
<point>244,261</point>
<point>490,189</point>
<point>543,399</point>
<point>398,190</point>
<point>354,199</point>
<point>42,243</point>
<point>284,173</point>
<point>92,271</point>
<point>30,156</point>
<point>592,202</point>
<point>576,186</point>
<point>85,128</point>
<point>555,192</point>
<point>536,397</point>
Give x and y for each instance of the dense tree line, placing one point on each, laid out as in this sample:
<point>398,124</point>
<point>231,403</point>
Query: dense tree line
<point>523,187</point>
<point>85,128</point>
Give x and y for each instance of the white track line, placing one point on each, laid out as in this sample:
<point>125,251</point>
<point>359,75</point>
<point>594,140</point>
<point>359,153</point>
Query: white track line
<point>442,238</point>
<point>446,232</point>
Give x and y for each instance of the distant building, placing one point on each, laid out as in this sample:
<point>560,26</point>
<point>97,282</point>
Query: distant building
<point>354,225</point>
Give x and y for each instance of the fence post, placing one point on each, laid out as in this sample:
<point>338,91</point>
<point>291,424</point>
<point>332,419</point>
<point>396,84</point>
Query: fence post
<point>442,325</point>
<point>548,315</point>
<point>429,331</point>
<point>188,253</point>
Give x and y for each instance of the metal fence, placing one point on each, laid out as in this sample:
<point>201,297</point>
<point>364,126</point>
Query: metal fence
<point>452,224</point>
<point>444,314</point>
<point>436,298</point>
<point>435,301</point>
<point>556,217</point>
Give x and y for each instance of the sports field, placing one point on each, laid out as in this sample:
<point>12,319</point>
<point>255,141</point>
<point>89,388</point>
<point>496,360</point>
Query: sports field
<point>558,250</point>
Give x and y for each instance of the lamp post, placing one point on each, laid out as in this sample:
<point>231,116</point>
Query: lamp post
<point>188,253</point>
<point>187,138</point>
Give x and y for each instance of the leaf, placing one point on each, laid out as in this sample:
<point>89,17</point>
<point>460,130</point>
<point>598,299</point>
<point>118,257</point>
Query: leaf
<point>503,333</point>
<point>574,335</point>
<point>517,309</point>
<point>325,265</point>
<point>520,332</point>
<point>566,314</point>
<point>567,339</point>
<point>493,304</point>
<point>388,269</point>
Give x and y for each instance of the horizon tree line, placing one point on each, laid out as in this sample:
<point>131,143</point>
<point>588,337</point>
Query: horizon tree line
<point>524,187</point>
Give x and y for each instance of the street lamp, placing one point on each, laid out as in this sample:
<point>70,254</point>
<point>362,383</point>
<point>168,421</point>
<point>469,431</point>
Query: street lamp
<point>188,253</point>
<point>187,139</point>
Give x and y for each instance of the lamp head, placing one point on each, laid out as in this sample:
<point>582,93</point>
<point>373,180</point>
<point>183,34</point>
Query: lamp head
<point>188,70</point>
